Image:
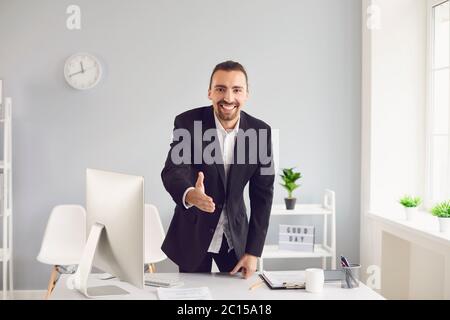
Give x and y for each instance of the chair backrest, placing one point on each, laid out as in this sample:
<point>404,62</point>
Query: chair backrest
<point>65,236</point>
<point>154,235</point>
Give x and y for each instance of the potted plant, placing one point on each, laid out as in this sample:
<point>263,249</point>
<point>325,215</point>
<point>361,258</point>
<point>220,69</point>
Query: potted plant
<point>442,211</point>
<point>289,178</point>
<point>411,206</point>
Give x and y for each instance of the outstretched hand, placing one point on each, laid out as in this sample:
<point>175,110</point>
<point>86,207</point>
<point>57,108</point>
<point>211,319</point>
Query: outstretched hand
<point>198,198</point>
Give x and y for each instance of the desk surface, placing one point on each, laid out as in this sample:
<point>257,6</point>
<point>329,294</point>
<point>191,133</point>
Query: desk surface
<point>222,287</point>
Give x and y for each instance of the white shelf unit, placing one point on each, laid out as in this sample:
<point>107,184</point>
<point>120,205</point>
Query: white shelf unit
<point>324,250</point>
<point>6,250</point>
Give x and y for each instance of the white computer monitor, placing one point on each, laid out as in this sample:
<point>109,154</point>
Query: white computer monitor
<point>115,222</point>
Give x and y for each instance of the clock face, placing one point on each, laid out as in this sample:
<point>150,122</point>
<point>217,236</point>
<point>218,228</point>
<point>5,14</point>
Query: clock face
<point>82,71</point>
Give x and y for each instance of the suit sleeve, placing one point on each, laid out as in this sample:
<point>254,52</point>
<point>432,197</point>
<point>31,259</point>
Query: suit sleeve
<point>177,178</point>
<point>261,197</point>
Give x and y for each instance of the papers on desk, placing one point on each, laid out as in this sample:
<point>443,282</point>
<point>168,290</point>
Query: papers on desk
<point>201,293</point>
<point>284,279</point>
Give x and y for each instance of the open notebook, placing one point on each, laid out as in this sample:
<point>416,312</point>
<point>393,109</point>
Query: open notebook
<point>295,279</point>
<point>284,279</point>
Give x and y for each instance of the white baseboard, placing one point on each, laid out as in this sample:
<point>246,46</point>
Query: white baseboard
<point>28,295</point>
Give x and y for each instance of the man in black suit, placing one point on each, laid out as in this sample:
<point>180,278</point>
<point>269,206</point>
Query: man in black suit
<point>215,152</point>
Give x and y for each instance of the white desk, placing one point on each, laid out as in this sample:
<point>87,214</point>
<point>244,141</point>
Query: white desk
<point>222,287</point>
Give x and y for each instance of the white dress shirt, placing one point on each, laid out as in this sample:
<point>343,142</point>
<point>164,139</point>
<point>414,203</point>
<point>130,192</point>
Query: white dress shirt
<point>227,140</point>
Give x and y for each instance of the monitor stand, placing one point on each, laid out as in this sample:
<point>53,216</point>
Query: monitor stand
<point>79,280</point>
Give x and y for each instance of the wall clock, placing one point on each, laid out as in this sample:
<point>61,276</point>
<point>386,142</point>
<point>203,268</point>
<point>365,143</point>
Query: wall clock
<point>82,71</point>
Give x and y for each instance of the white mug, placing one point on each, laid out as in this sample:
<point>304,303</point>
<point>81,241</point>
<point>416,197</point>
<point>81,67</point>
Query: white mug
<point>315,280</point>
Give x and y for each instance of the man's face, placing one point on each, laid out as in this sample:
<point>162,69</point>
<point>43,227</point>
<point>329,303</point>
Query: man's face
<point>228,94</point>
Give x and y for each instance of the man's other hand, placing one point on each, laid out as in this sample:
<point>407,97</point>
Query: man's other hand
<point>248,265</point>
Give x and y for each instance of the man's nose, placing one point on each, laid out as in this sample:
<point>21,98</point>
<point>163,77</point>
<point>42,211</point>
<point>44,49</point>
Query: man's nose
<point>228,97</point>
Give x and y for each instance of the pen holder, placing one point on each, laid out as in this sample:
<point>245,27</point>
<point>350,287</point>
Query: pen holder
<point>351,276</point>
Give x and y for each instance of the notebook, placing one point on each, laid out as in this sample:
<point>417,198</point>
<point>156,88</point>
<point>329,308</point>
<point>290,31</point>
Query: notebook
<point>295,279</point>
<point>284,279</point>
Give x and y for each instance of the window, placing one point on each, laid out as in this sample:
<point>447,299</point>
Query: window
<point>438,103</point>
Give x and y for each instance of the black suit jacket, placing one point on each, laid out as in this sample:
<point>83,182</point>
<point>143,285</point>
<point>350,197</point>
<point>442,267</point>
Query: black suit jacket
<point>191,230</point>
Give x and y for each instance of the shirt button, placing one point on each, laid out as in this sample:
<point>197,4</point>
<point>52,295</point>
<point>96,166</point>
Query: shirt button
<point>211,230</point>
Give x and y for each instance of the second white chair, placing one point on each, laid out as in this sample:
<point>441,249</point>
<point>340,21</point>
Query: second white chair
<point>153,236</point>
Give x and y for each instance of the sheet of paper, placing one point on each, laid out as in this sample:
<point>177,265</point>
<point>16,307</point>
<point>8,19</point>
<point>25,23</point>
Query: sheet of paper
<point>201,293</point>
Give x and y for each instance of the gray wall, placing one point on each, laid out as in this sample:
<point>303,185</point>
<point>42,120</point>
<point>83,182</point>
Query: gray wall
<point>303,58</point>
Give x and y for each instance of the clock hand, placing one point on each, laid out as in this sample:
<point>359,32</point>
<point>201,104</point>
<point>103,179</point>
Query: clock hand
<point>70,75</point>
<point>82,69</point>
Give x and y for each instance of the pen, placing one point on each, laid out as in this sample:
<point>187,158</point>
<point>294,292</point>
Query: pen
<point>256,285</point>
<point>348,272</point>
<point>345,261</point>
<point>344,264</point>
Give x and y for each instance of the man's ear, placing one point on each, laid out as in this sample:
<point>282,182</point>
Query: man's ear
<point>209,94</point>
<point>247,95</point>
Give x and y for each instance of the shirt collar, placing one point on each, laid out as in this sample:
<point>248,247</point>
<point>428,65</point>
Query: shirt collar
<point>220,127</point>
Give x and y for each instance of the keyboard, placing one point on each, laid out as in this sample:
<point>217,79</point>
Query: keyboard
<point>155,280</point>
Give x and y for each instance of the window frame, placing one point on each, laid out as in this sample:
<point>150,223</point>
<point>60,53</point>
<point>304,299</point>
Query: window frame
<point>428,199</point>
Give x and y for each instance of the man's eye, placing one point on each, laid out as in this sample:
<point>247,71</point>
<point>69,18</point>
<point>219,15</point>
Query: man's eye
<point>237,90</point>
<point>219,89</point>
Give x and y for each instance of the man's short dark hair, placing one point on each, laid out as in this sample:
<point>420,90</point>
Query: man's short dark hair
<point>229,66</point>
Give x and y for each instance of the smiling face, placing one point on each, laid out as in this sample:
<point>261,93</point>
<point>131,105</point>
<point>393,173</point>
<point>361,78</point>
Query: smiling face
<point>228,94</point>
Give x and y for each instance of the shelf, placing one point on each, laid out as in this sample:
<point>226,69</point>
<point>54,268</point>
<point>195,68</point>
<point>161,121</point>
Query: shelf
<point>300,209</point>
<point>2,254</point>
<point>272,252</point>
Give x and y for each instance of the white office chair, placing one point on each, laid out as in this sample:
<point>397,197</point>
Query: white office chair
<point>153,236</point>
<point>64,240</point>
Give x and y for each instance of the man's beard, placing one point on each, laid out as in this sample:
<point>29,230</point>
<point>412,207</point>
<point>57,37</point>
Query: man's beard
<point>227,116</point>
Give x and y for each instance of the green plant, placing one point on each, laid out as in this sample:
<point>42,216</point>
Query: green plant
<point>289,177</point>
<point>441,210</point>
<point>410,202</point>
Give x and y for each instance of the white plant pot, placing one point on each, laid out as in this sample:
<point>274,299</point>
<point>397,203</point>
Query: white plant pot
<point>411,213</point>
<point>444,225</point>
